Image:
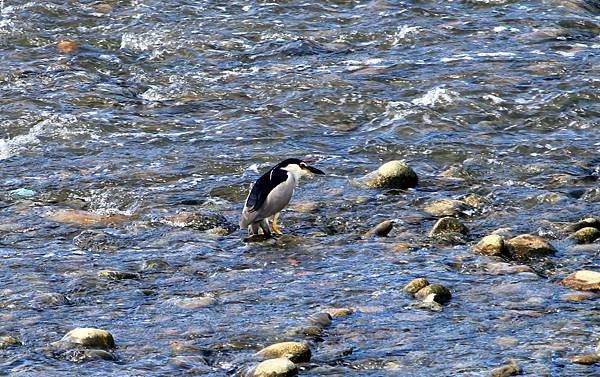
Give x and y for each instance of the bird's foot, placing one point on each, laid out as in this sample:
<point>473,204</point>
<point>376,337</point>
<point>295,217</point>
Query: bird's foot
<point>276,229</point>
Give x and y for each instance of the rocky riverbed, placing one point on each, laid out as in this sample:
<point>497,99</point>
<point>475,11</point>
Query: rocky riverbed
<point>456,231</point>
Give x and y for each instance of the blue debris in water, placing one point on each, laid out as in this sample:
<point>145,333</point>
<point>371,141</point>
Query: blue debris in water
<point>23,192</point>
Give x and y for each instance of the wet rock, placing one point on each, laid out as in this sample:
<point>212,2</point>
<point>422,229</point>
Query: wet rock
<point>440,293</point>
<point>23,193</point>
<point>475,201</point>
<point>415,285</point>
<point>67,46</point>
<point>88,338</point>
<point>84,217</point>
<point>587,359</point>
<point>445,207</point>
<point>8,341</point>
<point>393,174</point>
<point>585,235</point>
<point>492,245</point>
<point>195,302</point>
<point>48,300</point>
<point>458,172</point>
<point>103,8</point>
<point>83,355</point>
<point>528,246</point>
<point>339,312</point>
<point>448,225</point>
<point>320,319</point>
<point>578,296</point>
<point>95,241</point>
<point>583,280</point>
<point>502,268</point>
<point>511,368</point>
<point>429,304</point>
<point>155,265</point>
<point>280,367</point>
<point>295,351</point>
<point>117,275</point>
<point>585,223</point>
<point>203,220</point>
<point>381,230</point>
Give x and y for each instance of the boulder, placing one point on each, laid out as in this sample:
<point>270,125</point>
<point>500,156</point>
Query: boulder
<point>583,280</point>
<point>511,368</point>
<point>448,225</point>
<point>381,230</point>
<point>201,220</point>
<point>88,338</point>
<point>415,285</point>
<point>528,246</point>
<point>296,352</point>
<point>393,174</point>
<point>8,341</point>
<point>492,245</point>
<point>440,293</point>
<point>117,275</point>
<point>585,235</point>
<point>445,207</point>
<point>280,367</point>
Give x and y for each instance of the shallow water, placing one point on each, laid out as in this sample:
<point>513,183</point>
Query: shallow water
<point>171,106</point>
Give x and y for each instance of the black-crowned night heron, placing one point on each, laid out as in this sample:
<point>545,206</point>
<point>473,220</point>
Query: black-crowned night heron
<point>271,193</point>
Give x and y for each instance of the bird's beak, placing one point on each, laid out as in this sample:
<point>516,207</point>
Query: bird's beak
<point>314,170</point>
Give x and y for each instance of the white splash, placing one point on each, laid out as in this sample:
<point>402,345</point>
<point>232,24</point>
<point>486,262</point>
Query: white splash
<point>435,96</point>
<point>404,32</point>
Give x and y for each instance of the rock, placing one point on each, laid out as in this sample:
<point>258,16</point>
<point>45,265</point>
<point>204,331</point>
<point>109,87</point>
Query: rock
<point>67,46</point>
<point>492,245</point>
<point>585,235</point>
<point>88,338</point>
<point>441,293</point>
<point>48,300</point>
<point>203,220</point>
<point>84,217</point>
<point>578,296</point>
<point>320,319</point>
<point>475,201</point>
<point>587,359</point>
<point>118,275</point>
<point>415,285</point>
<point>280,367</point>
<point>583,280</point>
<point>295,351</point>
<point>83,355</point>
<point>195,302</point>
<point>339,312</point>
<point>528,246</point>
<point>585,223</point>
<point>511,368</point>
<point>393,174</point>
<point>23,193</point>
<point>155,265</point>
<point>103,8</point>
<point>381,230</point>
<point>8,341</point>
<point>457,172</point>
<point>95,241</point>
<point>445,207</point>
<point>448,225</point>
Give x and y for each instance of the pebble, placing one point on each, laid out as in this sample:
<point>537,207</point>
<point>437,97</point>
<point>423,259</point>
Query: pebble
<point>339,312</point>
<point>202,220</point>
<point>88,338</point>
<point>296,352</point>
<point>84,217</point>
<point>95,241</point>
<point>447,225</point>
<point>583,280</point>
<point>441,293</point>
<point>381,230</point>
<point>528,246</point>
<point>578,296</point>
<point>67,46</point>
<point>445,207</point>
<point>8,341</point>
<point>280,367</point>
<point>415,285</point>
<point>155,265</point>
<point>492,245</point>
<point>195,302</point>
<point>587,359</point>
<point>117,275</point>
<point>511,368</point>
<point>103,8</point>
<point>585,235</point>
<point>584,223</point>
<point>393,174</point>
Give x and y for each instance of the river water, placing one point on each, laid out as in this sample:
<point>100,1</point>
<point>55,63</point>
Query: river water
<point>171,106</point>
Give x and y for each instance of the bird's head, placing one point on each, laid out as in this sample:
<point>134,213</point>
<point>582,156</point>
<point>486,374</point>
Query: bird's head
<point>298,167</point>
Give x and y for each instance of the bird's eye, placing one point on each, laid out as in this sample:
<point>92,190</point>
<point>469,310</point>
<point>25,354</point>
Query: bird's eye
<point>302,165</point>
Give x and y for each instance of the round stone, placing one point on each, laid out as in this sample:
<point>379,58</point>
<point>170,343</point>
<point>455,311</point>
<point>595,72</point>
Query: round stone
<point>415,285</point>
<point>295,351</point>
<point>280,367</point>
<point>89,338</point>
<point>489,245</point>
<point>436,292</point>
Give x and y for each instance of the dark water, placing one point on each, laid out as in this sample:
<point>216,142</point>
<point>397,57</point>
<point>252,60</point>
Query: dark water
<point>178,105</point>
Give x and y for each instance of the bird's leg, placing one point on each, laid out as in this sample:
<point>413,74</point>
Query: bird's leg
<point>274,224</point>
<point>253,229</point>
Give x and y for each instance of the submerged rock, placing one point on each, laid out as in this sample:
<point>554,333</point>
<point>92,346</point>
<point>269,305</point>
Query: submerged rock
<point>295,351</point>
<point>492,245</point>
<point>585,235</point>
<point>95,241</point>
<point>393,174</point>
<point>448,225</point>
<point>280,367</point>
<point>445,207</point>
<point>203,220</point>
<point>587,359</point>
<point>88,338</point>
<point>415,285</point>
<point>8,341</point>
<point>339,312</point>
<point>84,217</point>
<point>381,230</point>
<point>585,223</point>
<point>435,292</point>
<point>155,265</point>
<point>67,46</point>
<point>528,246</point>
<point>511,368</point>
<point>583,280</point>
<point>117,275</point>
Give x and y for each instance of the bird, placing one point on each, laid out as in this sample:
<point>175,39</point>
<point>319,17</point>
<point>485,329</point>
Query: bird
<point>271,193</point>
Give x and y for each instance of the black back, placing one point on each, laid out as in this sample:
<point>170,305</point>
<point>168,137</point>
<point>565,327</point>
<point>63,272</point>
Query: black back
<point>265,184</point>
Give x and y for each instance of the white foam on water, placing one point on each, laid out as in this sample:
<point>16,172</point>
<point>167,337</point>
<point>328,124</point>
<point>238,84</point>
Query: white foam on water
<point>404,32</point>
<point>435,96</point>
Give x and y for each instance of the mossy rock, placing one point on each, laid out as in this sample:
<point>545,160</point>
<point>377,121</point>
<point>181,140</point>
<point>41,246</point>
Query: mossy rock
<point>441,293</point>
